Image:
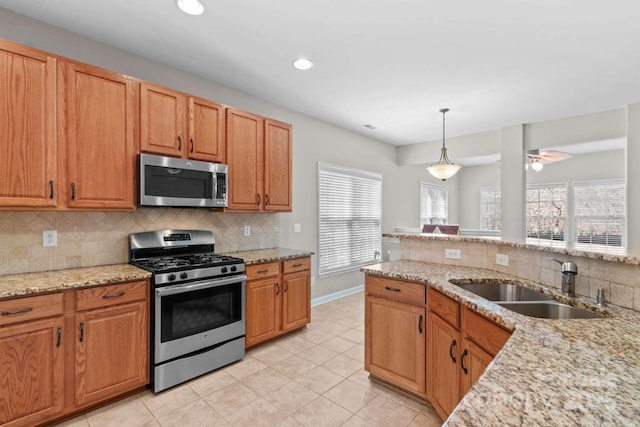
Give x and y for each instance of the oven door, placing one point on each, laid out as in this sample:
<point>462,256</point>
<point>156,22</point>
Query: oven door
<point>197,315</point>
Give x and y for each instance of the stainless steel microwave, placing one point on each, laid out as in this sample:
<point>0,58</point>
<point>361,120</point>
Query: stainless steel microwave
<point>169,181</point>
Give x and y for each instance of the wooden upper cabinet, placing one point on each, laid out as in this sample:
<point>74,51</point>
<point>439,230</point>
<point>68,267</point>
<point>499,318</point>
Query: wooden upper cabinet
<point>28,175</point>
<point>277,166</point>
<point>244,146</point>
<point>162,120</point>
<point>206,130</point>
<point>100,137</point>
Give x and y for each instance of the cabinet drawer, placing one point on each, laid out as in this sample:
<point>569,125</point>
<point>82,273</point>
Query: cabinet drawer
<point>483,332</point>
<point>104,296</point>
<point>36,307</point>
<point>445,307</point>
<point>299,264</point>
<point>259,271</point>
<point>412,293</point>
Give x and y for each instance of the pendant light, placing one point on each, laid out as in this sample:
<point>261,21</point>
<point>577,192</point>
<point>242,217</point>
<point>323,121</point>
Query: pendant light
<point>444,169</point>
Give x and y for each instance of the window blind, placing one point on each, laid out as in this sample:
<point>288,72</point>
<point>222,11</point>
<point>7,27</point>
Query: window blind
<point>546,212</point>
<point>349,218</point>
<point>599,211</point>
<point>433,204</point>
<point>490,209</point>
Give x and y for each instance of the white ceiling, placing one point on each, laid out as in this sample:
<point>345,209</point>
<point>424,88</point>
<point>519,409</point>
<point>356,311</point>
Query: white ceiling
<point>389,63</point>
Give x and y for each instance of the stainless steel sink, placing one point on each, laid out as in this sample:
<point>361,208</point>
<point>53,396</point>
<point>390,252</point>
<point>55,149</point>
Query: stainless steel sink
<point>503,292</point>
<point>548,310</point>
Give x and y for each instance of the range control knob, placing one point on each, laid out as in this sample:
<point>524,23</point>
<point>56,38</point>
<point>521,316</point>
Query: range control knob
<point>233,268</point>
<point>171,277</point>
<point>183,275</point>
<point>223,270</point>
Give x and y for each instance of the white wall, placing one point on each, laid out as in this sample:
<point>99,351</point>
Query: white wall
<point>470,180</point>
<point>581,167</point>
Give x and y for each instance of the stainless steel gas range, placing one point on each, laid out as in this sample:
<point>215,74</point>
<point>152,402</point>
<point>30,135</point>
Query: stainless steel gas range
<point>198,304</point>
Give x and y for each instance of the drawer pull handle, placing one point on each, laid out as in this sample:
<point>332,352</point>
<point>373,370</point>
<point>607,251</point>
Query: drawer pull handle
<point>191,140</point>
<point>51,189</point>
<point>393,289</point>
<point>59,336</point>
<point>73,191</point>
<point>277,288</point>
<point>81,331</point>
<point>266,270</point>
<point>179,143</point>
<point>464,354</point>
<point>11,313</point>
<point>107,296</point>
<point>258,200</point>
<point>451,347</point>
<point>420,324</point>
<point>286,285</point>
<point>297,265</point>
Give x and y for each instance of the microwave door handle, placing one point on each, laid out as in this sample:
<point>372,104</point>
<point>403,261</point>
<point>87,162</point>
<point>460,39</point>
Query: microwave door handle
<point>179,289</point>
<point>214,196</point>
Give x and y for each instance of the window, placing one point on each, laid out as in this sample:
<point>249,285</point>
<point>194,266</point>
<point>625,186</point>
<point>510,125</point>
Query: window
<point>433,204</point>
<point>490,199</point>
<point>349,218</point>
<point>599,213</point>
<point>546,212</point>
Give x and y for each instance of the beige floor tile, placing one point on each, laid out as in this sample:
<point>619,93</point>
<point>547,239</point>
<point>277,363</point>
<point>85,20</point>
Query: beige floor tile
<point>211,382</point>
<point>319,379</point>
<point>266,381</point>
<point>80,421</point>
<point>294,344</point>
<point>257,414</point>
<point>338,344</point>
<point>270,354</point>
<point>343,365</point>
<point>403,398</point>
<point>133,413</point>
<point>318,354</point>
<point>356,353</point>
<point>118,403</point>
<point>426,418</point>
<point>350,395</point>
<point>153,423</point>
<point>353,335</point>
<point>383,411</point>
<point>362,377</point>
<point>244,368</point>
<point>330,326</point>
<point>231,399</point>
<point>169,400</point>
<point>316,336</point>
<point>294,367</point>
<point>356,421</point>
<point>195,414</point>
<point>352,321</point>
<point>322,413</point>
<point>291,397</point>
<point>289,422</point>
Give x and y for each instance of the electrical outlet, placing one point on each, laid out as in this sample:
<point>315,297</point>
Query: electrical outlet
<point>247,230</point>
<point>453,253</point>
<point>502,259</point>
<point>49,238</point>
<point>296,228</point>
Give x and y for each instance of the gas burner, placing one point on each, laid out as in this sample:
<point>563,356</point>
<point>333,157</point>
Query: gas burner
<point>164,263</point>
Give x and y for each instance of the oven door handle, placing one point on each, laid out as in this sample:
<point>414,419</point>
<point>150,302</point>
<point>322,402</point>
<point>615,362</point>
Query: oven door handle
<point>180,289</point>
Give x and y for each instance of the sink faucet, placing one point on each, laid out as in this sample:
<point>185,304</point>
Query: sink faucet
<point>569,273</point>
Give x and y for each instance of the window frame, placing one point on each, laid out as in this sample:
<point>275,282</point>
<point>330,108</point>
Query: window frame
<point>482,203</point>
<point>435,187</point>
<point>565,227</point>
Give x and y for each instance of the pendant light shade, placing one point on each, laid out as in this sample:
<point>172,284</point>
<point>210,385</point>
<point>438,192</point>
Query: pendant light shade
<point>444,169</point>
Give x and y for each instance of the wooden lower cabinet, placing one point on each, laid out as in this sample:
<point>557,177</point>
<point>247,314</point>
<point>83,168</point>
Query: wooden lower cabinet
<point>31,372</point>
<point>57,358</point>
<point>395,342</point>
<point>278,299</point>
<point>473,361</point>
<point>443,355</point>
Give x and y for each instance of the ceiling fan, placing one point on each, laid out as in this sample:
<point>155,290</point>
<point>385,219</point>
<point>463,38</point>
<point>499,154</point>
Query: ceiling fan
<point>538,158</point>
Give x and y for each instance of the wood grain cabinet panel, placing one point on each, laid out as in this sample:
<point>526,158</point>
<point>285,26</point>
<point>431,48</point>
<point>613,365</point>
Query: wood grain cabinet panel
<point>296,300</point>
<point>162,120</point>
<point>263,310</point>
<point>31,372</point>
<point>473,362</point>
<point>100,125</point>
<point>277,166</point>
<point>28,139</point>
<point>206,130</point>
<point>443,357</point>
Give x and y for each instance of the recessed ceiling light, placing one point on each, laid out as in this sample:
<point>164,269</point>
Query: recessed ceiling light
<point>302,64</point>
<point>191,7</point>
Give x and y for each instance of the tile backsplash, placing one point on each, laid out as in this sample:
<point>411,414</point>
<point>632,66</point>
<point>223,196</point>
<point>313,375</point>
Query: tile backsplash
<point>98,238</point>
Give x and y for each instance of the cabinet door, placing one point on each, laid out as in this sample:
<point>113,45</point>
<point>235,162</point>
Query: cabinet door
<point>244,151</point>
<point>100,123</point>
<point>28,174</point>
<point>263,310</point>
<point>395,343</point>
<point>296,300</point>
<point>473,362</point>
<point>443,358</point>
<point>206,130</point>
<point>277,166</point>
<point>162,120</point>
<point>111,351</point>
<point>31,372</point>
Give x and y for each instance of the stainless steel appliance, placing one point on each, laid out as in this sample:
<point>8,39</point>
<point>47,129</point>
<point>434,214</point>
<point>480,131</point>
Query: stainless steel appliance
<point>198,304</point>
<point>169,181</point>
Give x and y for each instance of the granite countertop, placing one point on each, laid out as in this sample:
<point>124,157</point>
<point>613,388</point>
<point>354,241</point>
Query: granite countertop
<point>260,256</point>
<point>551,372</point>
<point>32,283</point>
<point>614,254</point>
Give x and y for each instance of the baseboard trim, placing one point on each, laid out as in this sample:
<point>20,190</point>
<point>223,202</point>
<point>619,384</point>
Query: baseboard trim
<point>336,295</point>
